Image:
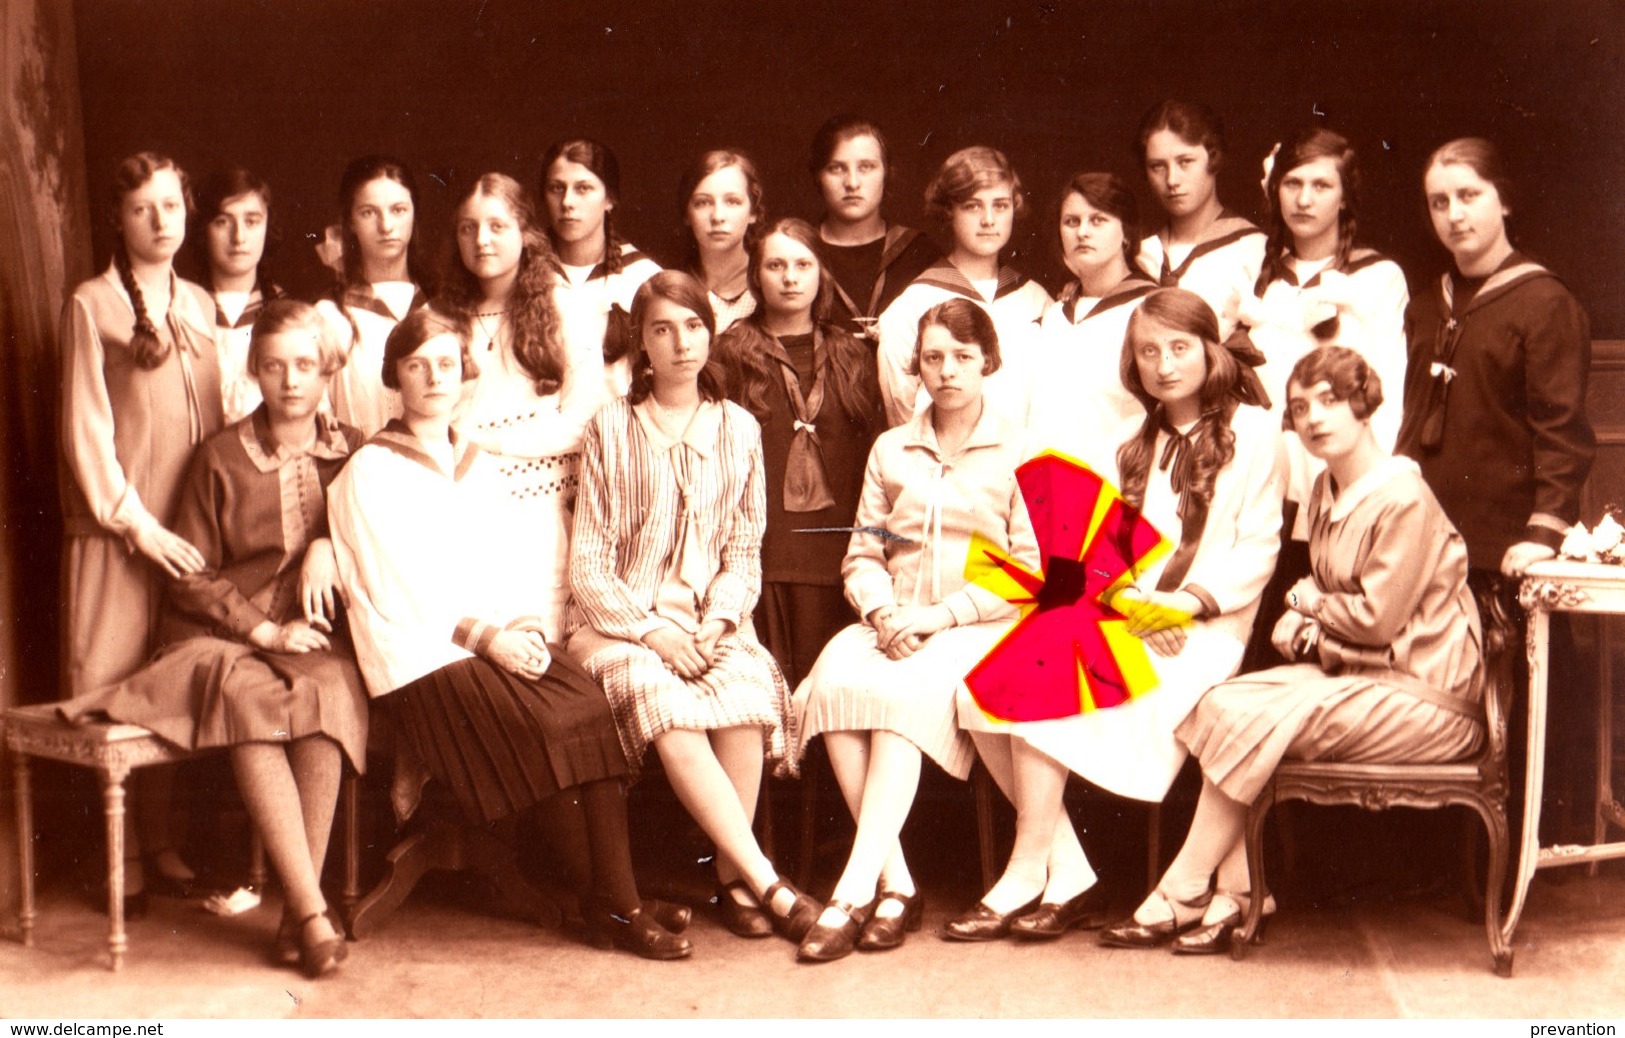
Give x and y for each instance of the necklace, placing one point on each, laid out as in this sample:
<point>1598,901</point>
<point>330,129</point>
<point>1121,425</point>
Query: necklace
<point>491,333</point>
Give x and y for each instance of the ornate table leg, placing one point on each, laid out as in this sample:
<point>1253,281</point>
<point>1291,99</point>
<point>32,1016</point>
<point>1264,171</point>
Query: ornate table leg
<point>113,803</point>
<point>25,845</point>
<point>1605,739</point>
<point>1540,622</point>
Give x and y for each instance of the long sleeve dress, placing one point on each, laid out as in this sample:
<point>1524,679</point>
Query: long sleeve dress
<point>802,604</point>
<point>668,533</point>
<point>1513,444</point>
<point>1079,402</point>
<point>1016,306</point>
<point>423,535</point>
<point>1366,297</point>
<point>1397,674</point>
<point>357,393</point>
<point>1221,267</point>
<point>1130,749</point>
<point>930,505</point>
<point>127,437</point>
<point>251,508</point>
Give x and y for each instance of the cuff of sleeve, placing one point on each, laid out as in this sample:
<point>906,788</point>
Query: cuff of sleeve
<point>653,623</point>
<point>866,598</point>
<point>241,619</point>
<point>475,635</point>
<point>1543,528</point>
<point>131,518</point>
<point>730,617</point>
<point>1210,605</point>
<point>962,609</point>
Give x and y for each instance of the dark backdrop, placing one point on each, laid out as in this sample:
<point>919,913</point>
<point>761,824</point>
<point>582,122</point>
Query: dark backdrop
<point>294,88</point>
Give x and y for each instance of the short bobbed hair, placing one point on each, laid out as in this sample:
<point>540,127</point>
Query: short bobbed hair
<point>836,132</point>
<point>966,172</point>
<point>1350,377</point>
<point>1107,193</point>
<point>281,316</point>
<point>408,337</point>
<point>967,323</point>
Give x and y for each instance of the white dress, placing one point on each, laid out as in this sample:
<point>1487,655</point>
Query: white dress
<point>356,392</point>
<point>1131,749</point>
<point>1221,267</point>
<point>584,298</point>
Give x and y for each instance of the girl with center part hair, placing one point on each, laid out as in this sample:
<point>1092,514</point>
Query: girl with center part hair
<point>666,569</point>
<point>870,260</point>
<point>253,656</point>
<point>1202,247</point>
<point>1079,403</point>
<point>812,388</point>
<point>1206,467</point>
<point>423,525</point>
<point>379,281</point>
<point>500,292</point>
<point>1386,639</point>
<point>234,225</point>
<point>719,201</point>
<point>597,271</point>
<point>882,691</point>
<point>140,390</point>
<point>976,196</point>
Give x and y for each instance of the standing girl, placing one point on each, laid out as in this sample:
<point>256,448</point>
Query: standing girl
<point>812,387</point>
<point>869,261</point>
<point>976,196</point>
<point>720,203</point>
<point>1080,403</point>
<point>234,214</point>
<point>597,271</point>
<point>379,283</point>
<point>1203,247</point>
<point>140,391</point>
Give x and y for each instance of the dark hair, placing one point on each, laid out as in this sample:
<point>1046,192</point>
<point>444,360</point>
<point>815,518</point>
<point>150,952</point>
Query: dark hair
<point>149,350</point>
<point>601,163</point>
<point>286,315</point>
<point>358,174</point>
<point>966,172</point>
<point>1303,147</point>
<point>1482,157</point>
<point>684,289</point>
<point>704,166</point>
<point>214,191</point>
<point>1192,122</point>
<point>1107,193</point>
<point>415,329</point>
<point>967,323</point>
<point>1212,441</point>
<point>754,376</point>
<point>1349,374</point>
<point>837,131</point>
<point>536,336</point>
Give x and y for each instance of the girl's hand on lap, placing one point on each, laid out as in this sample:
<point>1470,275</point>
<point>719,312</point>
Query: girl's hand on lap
<point>524,653</point>
<point>171,552</point>
<point>916,624</point>
<point>678,651</point>
<point>1166,641</point>
<point>903,647</point>
<point>1285,635</point>
<point>293,638</point>
<point>1146,613</point>
<point>705,641</point>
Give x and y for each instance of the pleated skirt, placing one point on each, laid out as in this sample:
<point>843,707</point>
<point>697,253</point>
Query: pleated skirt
<point>855,687</point>
<point>204,693</point>
<point>502,743</point>
<point>1243,729</point>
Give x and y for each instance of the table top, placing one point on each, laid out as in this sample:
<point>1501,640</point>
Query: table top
<point>1566,585</point>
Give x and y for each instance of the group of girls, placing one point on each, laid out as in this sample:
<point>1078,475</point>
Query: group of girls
<point>579,506</point>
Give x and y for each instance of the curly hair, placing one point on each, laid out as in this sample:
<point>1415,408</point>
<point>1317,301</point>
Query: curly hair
<point>966,172</point>
<point>1348,373</point>
<point>537,342</point>
<point>1213,441</point>
<point>131,174</point>
<point>1303,147</point>
<point>415,329</point>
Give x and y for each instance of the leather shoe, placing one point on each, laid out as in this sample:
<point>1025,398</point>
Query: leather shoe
<point>741,919</point>
<point>1051,919</point>
<point>637,933</point>
<point>884,932</point>
<point>1215,937</point>
<point>794,924</point>
<point>670,916</point>
<point>981,923</point>
<point>1130,933</point>
<point>828,943</point>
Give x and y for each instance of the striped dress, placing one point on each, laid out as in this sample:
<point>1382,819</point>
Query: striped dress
<point>669,533</point>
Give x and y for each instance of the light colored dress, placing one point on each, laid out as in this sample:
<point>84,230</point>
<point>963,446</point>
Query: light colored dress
<point>1397,678</point>
<point>1221,267</point>
<point>668,533</point>
<point>929,504</point>
<point>585,297</point>
<point>1130,749</point>
<point>356,392</point>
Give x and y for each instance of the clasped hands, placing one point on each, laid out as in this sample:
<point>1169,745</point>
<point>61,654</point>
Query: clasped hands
<point>1297,632</point>
<point>900,630</point>
<point>319,596</point>
<point>1158,618</point>
<point>688,655</point>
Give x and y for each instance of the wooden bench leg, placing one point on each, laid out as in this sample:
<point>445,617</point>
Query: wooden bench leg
<point>350,804</point>
<point>25,846</point>
<point>113,805</point>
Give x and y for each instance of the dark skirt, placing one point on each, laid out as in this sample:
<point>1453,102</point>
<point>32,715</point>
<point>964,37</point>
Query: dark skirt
<point>796,621</point>
<point>202,693</point>
<point>503,744</point>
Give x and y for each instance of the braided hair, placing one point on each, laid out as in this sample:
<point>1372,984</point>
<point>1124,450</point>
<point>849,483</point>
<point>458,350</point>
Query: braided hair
<point>601,163</point>
<point>149,350</point>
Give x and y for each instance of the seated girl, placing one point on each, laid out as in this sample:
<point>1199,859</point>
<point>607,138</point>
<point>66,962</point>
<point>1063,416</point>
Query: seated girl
<point>250,656</point>
<point>1389,634</point>
<point>882,692</point>
<point>424,526</point>
<point>666,569</point>
<point>1206,467</point>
